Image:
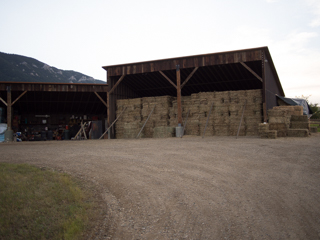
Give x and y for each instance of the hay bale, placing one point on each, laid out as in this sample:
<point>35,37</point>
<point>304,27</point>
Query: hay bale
<point>280,127</point>
<point>299,118</point>
<point>192,128</point>
<point>272,134</point>
<point>233,130</point>
<point>298,132</point>
<point>263,129</point>
<point>163,132</point>
<point>300,125</point>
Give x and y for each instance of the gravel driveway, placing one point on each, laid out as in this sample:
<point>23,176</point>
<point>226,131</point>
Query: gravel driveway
<point>193,188</point>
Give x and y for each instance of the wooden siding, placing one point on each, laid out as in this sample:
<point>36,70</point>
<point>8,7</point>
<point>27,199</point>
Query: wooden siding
<point>53,87</point>
<point>185,62</point>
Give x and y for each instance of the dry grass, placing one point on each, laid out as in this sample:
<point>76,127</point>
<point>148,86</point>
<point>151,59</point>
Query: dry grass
<point>40,204</point>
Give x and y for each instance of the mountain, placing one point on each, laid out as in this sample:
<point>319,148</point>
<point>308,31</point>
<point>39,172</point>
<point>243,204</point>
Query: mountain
<point>17,68</point>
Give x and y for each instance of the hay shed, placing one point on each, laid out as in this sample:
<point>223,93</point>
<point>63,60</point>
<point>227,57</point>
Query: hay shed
<point>191,87</point>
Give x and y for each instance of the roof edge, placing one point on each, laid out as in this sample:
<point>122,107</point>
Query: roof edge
<point>190,56</point>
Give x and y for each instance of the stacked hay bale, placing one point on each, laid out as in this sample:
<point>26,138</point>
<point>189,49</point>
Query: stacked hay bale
<point>204,102</point>
<point>253,112</point>
<point>129,123</point>
<point>189,104</point>
<point>159,118</point>
<point>264,131</point>
<point>299,126</point>
<point>280,118</point>
<point>224,119</point>
<point>225,114</point>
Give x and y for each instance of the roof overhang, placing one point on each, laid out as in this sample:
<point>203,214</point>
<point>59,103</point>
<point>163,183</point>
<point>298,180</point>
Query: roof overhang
<point>222,71</point>
<point>56,98</point>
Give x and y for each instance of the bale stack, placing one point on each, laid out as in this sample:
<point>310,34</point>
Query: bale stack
<point>224,119</point>
<point>253,112</point>
<point>205,100</point>
<point>188,104</point>
<point>163,132</point>
<point>225,115</point>
<point>158,118</point>
<point>128,124</point>
<point>265,132</point>
<point>280,118</point>
<point>299,126</point>
<point>191,104</point>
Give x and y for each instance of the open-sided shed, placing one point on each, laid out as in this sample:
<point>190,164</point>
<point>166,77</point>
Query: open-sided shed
<point>40,105</point>
<point>248,69</point>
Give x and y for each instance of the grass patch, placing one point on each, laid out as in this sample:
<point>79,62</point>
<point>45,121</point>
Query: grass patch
<point>40,204</point>
<point>315,125</point>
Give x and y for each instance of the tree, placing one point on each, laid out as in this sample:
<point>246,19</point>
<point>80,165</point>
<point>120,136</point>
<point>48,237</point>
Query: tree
<point>315,109</point>
<point>313,106</point>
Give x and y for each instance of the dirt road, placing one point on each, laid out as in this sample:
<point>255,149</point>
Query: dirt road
<point>193,188</point>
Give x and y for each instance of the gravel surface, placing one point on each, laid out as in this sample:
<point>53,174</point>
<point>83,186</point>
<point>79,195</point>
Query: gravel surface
<point>192,188</point>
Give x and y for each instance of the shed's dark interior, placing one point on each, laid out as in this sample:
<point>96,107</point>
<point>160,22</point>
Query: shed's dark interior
<point>224,77</point>
<point>41,102</point>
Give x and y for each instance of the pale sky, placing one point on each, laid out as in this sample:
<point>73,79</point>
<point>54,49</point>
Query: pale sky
<point>85,35</point>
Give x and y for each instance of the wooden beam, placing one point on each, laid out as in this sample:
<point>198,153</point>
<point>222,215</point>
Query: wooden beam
<point>19,97</point>
<point>9,108</point>
<point>146,121</point>
<point>165,76</point>
<point>5,103</point>
<point>264,88</point>
<point>117,83</point>
<point>190,76</point>
<point>179,96</point>
<point>104,103</point>
<point>250,70</point>
<point>113,123</point>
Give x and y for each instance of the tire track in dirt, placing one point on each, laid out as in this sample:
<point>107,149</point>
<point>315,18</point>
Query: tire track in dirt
<point>193,188</point>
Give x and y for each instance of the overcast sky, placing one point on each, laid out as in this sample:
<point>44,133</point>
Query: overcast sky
<point>86,35</point>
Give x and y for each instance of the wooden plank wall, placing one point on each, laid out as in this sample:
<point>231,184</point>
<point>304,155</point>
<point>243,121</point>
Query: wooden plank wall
<point>184,62</point>
<point>54,87</point>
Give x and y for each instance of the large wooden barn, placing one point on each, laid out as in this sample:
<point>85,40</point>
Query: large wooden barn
<point>228,86</point>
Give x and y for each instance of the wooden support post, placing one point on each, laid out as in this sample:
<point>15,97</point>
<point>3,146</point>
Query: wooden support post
<point>113,123</point>
<point>5,103</point>
<point>81,130</point>
<point>169,80</point>
<point>108,108</point>
<point>250,70</point>
<point>185,124</point>
<point>104,103</point>
<point>9,108</point>
<point>264,88</point>
<point>146,121</point>
<point>75,137</point>
<point>179,96</point>
<point>244,107</point>
<point>19,97</point>
<point>117,83</point>
<point>84,132</point>
<point>207,121</point>
<point>190,76</point>
<point>111,100</point>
